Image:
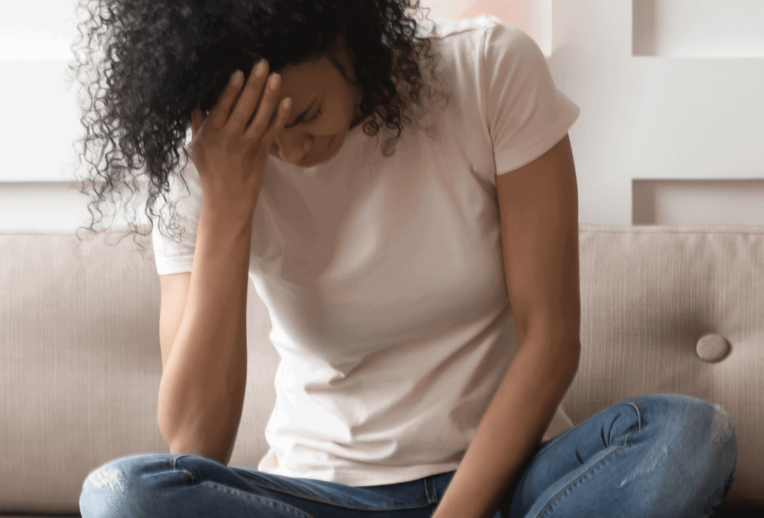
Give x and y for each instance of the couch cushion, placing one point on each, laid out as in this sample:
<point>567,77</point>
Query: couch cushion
<point>80,362</point>
<point>648,295</point>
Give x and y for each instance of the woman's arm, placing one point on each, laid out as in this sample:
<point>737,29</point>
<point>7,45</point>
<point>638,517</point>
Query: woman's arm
<point>538,206</point>
<point>204,377</point>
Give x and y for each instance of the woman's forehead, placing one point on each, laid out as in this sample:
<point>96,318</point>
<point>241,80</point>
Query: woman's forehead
<point>306,79</point>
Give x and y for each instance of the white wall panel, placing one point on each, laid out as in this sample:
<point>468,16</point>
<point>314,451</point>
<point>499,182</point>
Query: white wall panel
<point>669,90</point>
<point>651,116</point>
<point>698,28</point>
<point>56,206</point>
<point>37,30</point>
<point>698,202</point>
<point>41,122</point>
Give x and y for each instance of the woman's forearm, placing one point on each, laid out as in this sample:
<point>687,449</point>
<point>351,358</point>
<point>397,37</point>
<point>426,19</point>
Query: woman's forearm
<point>512,426</point>
<point>201,394</point>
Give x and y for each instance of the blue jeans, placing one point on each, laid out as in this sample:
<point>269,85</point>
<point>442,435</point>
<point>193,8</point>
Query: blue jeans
<point>662,455</point>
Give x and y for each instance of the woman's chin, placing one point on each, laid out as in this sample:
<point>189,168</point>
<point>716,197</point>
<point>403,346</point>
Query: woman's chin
<point>312,162</point>
<point>309,161</point>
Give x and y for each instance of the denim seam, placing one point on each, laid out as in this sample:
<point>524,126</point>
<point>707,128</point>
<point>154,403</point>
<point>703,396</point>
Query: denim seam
<point>299,495</point>
<point>175,468</point>
<point>640,412</point>
<point>569,484</point>
<point>314,498</point>
<point>430,492</point>
<point>637,407</point>
<point>556,439</point>
<point>249,496</point>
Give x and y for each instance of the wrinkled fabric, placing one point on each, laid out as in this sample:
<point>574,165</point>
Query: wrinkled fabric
<point>384,276</point>
<point>658,456</point>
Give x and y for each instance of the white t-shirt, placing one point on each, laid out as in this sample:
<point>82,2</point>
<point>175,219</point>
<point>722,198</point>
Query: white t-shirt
<point>384,277</point>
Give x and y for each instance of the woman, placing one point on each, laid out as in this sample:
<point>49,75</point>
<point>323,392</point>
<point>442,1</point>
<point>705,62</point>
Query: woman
<point>409,385</point>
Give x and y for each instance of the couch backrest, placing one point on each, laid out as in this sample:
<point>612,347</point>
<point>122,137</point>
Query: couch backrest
<point>80,363</point>
<point>654,300</point>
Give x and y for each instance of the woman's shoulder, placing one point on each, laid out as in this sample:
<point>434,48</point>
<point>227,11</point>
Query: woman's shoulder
<point>440,28</point>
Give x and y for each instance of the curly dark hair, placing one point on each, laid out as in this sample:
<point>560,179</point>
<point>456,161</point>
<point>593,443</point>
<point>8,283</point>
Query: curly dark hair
<point>147,63</point>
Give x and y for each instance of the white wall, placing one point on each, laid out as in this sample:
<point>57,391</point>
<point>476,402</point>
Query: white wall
<point>670,130</point>
<point>40,115</point>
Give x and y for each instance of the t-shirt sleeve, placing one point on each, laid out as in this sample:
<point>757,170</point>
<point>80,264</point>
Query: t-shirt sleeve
<point>171,256</point>
<point>526,113</point>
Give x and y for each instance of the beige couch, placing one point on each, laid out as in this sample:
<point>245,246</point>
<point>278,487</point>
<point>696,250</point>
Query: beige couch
<point>80,361</point>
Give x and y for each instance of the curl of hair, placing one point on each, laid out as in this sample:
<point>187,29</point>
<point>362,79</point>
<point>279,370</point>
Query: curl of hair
<point>145,64</point>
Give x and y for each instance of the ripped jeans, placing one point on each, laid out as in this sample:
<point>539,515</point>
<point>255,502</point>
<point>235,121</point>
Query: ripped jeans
<point>662,455</point>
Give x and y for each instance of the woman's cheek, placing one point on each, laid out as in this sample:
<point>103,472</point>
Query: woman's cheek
<point>327,127</point>
<point>334,118</point>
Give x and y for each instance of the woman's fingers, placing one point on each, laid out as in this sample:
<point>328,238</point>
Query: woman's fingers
<point>282,115</point>
<point>256,102</point>
<point>265,112</point>
<point>245,105</point>
<point>219,113</point>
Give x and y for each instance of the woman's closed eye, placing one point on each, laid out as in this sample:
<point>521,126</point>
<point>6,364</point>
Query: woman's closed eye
<point>314,118</point>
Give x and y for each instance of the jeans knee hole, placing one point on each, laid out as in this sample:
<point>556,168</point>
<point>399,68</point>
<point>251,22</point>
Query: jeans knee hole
<point>721,426</point>
<point>107,476</point>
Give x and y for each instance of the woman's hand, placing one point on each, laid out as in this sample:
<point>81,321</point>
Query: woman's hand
<point>230,146</point>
